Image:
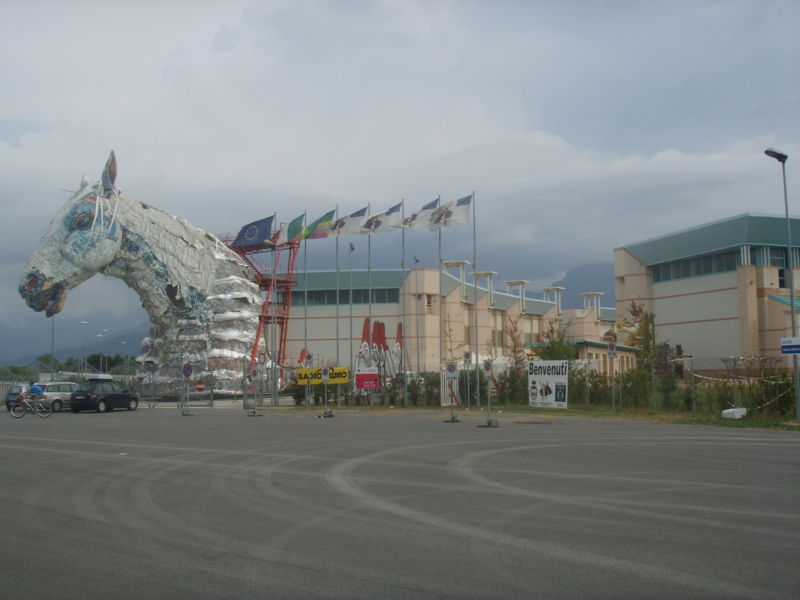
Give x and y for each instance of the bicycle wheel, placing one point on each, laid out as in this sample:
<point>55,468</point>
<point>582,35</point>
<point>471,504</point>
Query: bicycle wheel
<point>18,410</point>
<point>43,410</point>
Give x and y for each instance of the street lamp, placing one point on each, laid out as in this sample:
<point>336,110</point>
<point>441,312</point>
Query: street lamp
<point>85,347</point>
<point>781,158</point>
<point>100,339</point>
<point>106,348</point>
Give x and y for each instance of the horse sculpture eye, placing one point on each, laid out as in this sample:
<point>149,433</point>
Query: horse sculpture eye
<point>81,221</point>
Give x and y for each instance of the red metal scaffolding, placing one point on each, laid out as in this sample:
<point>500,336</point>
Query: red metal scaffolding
<point>272,268</point>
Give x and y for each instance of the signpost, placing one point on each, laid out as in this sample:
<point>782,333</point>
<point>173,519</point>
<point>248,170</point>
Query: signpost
<point>184,399</point>
<point>326,377</point>
<point>449,390</point>
<point>488,369</point>
<point>790,345</point>
<point>467,363</point>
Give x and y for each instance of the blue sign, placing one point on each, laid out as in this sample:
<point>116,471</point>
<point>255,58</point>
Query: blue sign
<point>790,345</point>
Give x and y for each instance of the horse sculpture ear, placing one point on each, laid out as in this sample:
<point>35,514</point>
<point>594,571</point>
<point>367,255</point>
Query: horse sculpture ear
<point>109,174</point>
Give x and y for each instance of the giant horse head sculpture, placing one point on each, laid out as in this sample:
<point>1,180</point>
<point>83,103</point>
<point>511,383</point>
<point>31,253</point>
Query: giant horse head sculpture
<point>83,238</point>
<point>201,305</point>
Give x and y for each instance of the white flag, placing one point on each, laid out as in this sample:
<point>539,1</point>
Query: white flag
<point>349,225</point>
<point>385,221</point>
<point>422,218</point>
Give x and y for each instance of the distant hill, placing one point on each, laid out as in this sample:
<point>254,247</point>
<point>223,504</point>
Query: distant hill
<point>594,277</point>
<point>127,342</point>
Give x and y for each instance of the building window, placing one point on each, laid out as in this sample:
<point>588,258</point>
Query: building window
<point>777,257</point>
<point>498,338</point>
<point>720,262</point>
<point>329,297</point>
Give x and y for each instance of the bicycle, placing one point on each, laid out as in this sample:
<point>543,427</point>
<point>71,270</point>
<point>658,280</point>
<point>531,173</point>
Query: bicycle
<point>24,405</point>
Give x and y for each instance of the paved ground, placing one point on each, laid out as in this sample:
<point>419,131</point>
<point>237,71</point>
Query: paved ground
<point>150,504</point>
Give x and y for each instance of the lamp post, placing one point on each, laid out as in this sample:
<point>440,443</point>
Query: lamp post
<point>99,337</point>
<point>781,158</point>
<point>85,347</point>
<point>106,348</point>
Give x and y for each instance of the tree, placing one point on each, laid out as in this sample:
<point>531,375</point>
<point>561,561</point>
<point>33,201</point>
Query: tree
<point>514,382</point>
<point>72,364</point>
<point>49,361</point>
<point>556,346</point>
<point>640,327</point>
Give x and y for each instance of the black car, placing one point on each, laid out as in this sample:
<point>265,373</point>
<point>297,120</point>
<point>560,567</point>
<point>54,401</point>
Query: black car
<point>14,394</point>
<point>102,395</point>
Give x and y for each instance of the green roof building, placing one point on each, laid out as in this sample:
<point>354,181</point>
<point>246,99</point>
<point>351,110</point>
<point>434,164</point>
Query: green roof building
<point>719,290</point>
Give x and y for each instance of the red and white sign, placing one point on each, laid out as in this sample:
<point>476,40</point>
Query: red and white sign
<point>200,386</point>
<point>367,378</point>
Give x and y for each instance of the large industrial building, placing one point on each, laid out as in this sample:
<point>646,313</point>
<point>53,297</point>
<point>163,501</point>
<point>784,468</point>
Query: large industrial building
<point>719,290</point>
<point>437,312</point>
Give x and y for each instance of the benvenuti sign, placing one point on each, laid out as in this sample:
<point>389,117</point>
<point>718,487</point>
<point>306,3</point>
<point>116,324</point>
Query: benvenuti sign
<point>547,383</point>
<point>314,376</point>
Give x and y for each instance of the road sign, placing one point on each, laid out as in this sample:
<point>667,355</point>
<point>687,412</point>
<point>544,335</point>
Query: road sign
<point>262,358</point>
<point>326,375</point>
<point>790,345</point>
<point>487,366</point>
<point>452,371</point>
<point>200,386</point>
<point>187,370</point>
<point>612,349</point>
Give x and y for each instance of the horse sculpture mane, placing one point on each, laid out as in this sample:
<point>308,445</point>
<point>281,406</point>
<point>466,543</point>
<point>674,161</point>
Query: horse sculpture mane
<point>203,310</point>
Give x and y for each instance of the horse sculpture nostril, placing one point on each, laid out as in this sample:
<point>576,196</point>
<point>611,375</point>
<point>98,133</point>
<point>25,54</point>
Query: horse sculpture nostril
<point>41,293</point>
<point>32,282</point>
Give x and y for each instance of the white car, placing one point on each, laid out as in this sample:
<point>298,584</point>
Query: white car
<point>57,393</point>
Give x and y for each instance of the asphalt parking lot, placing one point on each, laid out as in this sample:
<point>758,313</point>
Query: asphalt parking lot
<point>393,504</point>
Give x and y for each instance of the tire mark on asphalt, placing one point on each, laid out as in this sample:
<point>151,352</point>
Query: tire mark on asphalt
<point>340,477</point>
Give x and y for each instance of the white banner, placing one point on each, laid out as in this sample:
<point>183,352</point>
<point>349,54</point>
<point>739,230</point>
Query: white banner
<point>547,383</point>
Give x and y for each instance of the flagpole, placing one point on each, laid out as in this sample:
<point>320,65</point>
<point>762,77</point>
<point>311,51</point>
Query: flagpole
<point>403,300</point>
<point>417,311</point>
<point>273,296</point>
<point>305,300</point>
<point>350,297</point>
<point>475,305</point>
<point>337,306</point>
<point>369,306</point>
<point>441,298</point>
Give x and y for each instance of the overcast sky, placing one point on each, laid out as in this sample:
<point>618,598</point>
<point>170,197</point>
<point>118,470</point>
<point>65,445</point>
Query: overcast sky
<point>581,125</point>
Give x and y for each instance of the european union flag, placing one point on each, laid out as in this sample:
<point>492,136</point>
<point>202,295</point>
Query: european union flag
<point>255,233</point>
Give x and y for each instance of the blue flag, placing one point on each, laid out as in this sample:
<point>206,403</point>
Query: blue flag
<point>255,233</point>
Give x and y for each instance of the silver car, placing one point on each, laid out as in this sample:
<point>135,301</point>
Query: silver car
<point>57,393</point>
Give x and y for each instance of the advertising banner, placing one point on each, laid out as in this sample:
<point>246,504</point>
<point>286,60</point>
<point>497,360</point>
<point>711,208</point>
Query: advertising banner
<point>367,378</point>
<point>313,376</point>
<point>547,383</point>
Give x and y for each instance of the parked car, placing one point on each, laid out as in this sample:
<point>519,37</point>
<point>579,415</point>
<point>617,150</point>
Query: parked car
<point>102,395</point>
<point>13,394</point>
<point>57,393</point>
